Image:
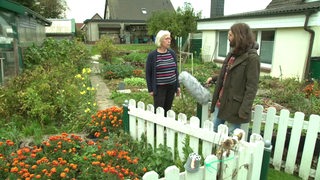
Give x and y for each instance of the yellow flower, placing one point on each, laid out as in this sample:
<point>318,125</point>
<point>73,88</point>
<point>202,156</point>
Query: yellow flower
<point>87,110</point>
<point>78,76</point>
<point>82,92</point>
<point>94,104</point>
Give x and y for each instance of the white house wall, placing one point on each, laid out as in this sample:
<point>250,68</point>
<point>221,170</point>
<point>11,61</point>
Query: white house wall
<point>316,43</point>
<point>209,45</point>
<point>261,23</point>
<point>291,40</point>
<point>290,53</point>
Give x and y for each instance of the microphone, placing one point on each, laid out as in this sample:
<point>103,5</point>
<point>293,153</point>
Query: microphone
<point>194,87</point>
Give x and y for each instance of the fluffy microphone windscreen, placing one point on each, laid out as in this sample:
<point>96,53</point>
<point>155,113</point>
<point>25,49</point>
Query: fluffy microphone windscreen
<point>201,94</point>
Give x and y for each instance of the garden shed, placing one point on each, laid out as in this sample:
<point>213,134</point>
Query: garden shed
<point>20,27</point>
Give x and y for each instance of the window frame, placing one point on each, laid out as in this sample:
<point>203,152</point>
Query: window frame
<point>258,34</point>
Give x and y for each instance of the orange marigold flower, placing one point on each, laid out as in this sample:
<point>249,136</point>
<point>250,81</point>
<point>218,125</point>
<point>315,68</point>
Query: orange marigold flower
<point>63,162</point>
<point>33,155</point>
<point>135,161</point>
<point>90,142</point>
<point>144,169</point>
<point>63,175</point>
<point>9,142</point>
<point>73,166</point>
<point>19,152</point>
<point>38,176</point>
<point>96,163</point>
<point>97,134</point>
<point>26,150</point>
<point>14,169</point>
<point>99,157</point>
<point>55,163</point>
<point>44,171</point>
<point>53,170</point>
<point>21,164</point>
<point>66,170</point>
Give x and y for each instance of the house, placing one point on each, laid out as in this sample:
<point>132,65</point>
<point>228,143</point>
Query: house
<point>61,29</point>
<point>288,32</point>
<point>124,20</point>
<point>20,27</point>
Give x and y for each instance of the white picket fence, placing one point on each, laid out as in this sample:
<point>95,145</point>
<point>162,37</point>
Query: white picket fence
<point>289,151</point>
<point>243,162</point>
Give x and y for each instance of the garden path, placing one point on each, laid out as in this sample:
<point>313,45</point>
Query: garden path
<point>103,93</point>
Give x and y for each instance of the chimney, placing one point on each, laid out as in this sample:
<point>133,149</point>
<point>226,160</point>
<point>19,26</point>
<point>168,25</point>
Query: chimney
<point>217,8</point>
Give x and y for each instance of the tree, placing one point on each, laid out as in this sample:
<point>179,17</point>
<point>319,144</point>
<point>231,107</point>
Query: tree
<point>179,23</point>
<point>46,8</point>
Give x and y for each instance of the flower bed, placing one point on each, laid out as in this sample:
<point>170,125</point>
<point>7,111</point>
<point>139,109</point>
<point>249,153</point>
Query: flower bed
<point>69,156</point>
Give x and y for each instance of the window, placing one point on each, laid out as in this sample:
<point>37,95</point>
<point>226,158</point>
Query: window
<point>143,10</point>
<point>266,46</point>
<point>223,43</point>
<point>264,38</point>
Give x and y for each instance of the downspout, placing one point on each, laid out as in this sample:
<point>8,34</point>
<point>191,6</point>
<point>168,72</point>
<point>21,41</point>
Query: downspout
<point>312,34</point>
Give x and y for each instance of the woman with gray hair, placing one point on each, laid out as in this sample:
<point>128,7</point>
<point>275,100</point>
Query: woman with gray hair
<point>162,72</point>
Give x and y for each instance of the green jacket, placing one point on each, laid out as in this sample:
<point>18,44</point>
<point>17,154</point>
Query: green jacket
<point>240,88</point>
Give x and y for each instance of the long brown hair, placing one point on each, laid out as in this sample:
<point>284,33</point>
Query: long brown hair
<point>243,38</point>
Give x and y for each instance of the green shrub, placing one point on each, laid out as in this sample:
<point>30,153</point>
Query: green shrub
<point>57,53</point>
<point>116,71</point>
<point>106,48</point>
<point>51,92</point>
<point>136,59</point>
<point>135,81</point>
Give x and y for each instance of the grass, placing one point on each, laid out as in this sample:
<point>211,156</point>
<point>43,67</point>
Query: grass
<point>279,175</point>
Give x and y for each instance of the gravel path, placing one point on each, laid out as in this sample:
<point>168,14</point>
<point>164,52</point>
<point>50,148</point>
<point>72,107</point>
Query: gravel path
<point>103,93</point>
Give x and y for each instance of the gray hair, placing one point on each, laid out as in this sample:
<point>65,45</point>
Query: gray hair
<point>160,36</point>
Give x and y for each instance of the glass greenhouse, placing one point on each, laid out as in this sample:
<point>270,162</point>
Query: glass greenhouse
<point>20,27</point>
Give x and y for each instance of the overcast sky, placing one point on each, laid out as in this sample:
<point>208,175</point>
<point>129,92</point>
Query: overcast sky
<point>81,10</point>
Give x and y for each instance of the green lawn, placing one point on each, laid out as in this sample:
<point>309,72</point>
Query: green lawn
<point>275,175</point>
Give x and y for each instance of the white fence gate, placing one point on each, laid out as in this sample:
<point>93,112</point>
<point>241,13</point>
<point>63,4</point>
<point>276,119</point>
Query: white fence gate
<point>243,162</point>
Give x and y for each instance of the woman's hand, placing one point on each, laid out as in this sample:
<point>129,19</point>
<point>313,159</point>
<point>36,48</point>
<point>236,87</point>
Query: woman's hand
<point>151,93</point>
<point>209,80</point>
<point>178,92</point>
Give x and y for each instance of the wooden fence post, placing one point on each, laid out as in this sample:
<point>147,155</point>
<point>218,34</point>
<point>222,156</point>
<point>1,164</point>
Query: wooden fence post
<point>125,117</point>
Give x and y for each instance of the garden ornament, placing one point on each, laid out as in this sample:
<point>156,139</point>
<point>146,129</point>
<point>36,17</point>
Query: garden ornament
<point>193,163</point>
